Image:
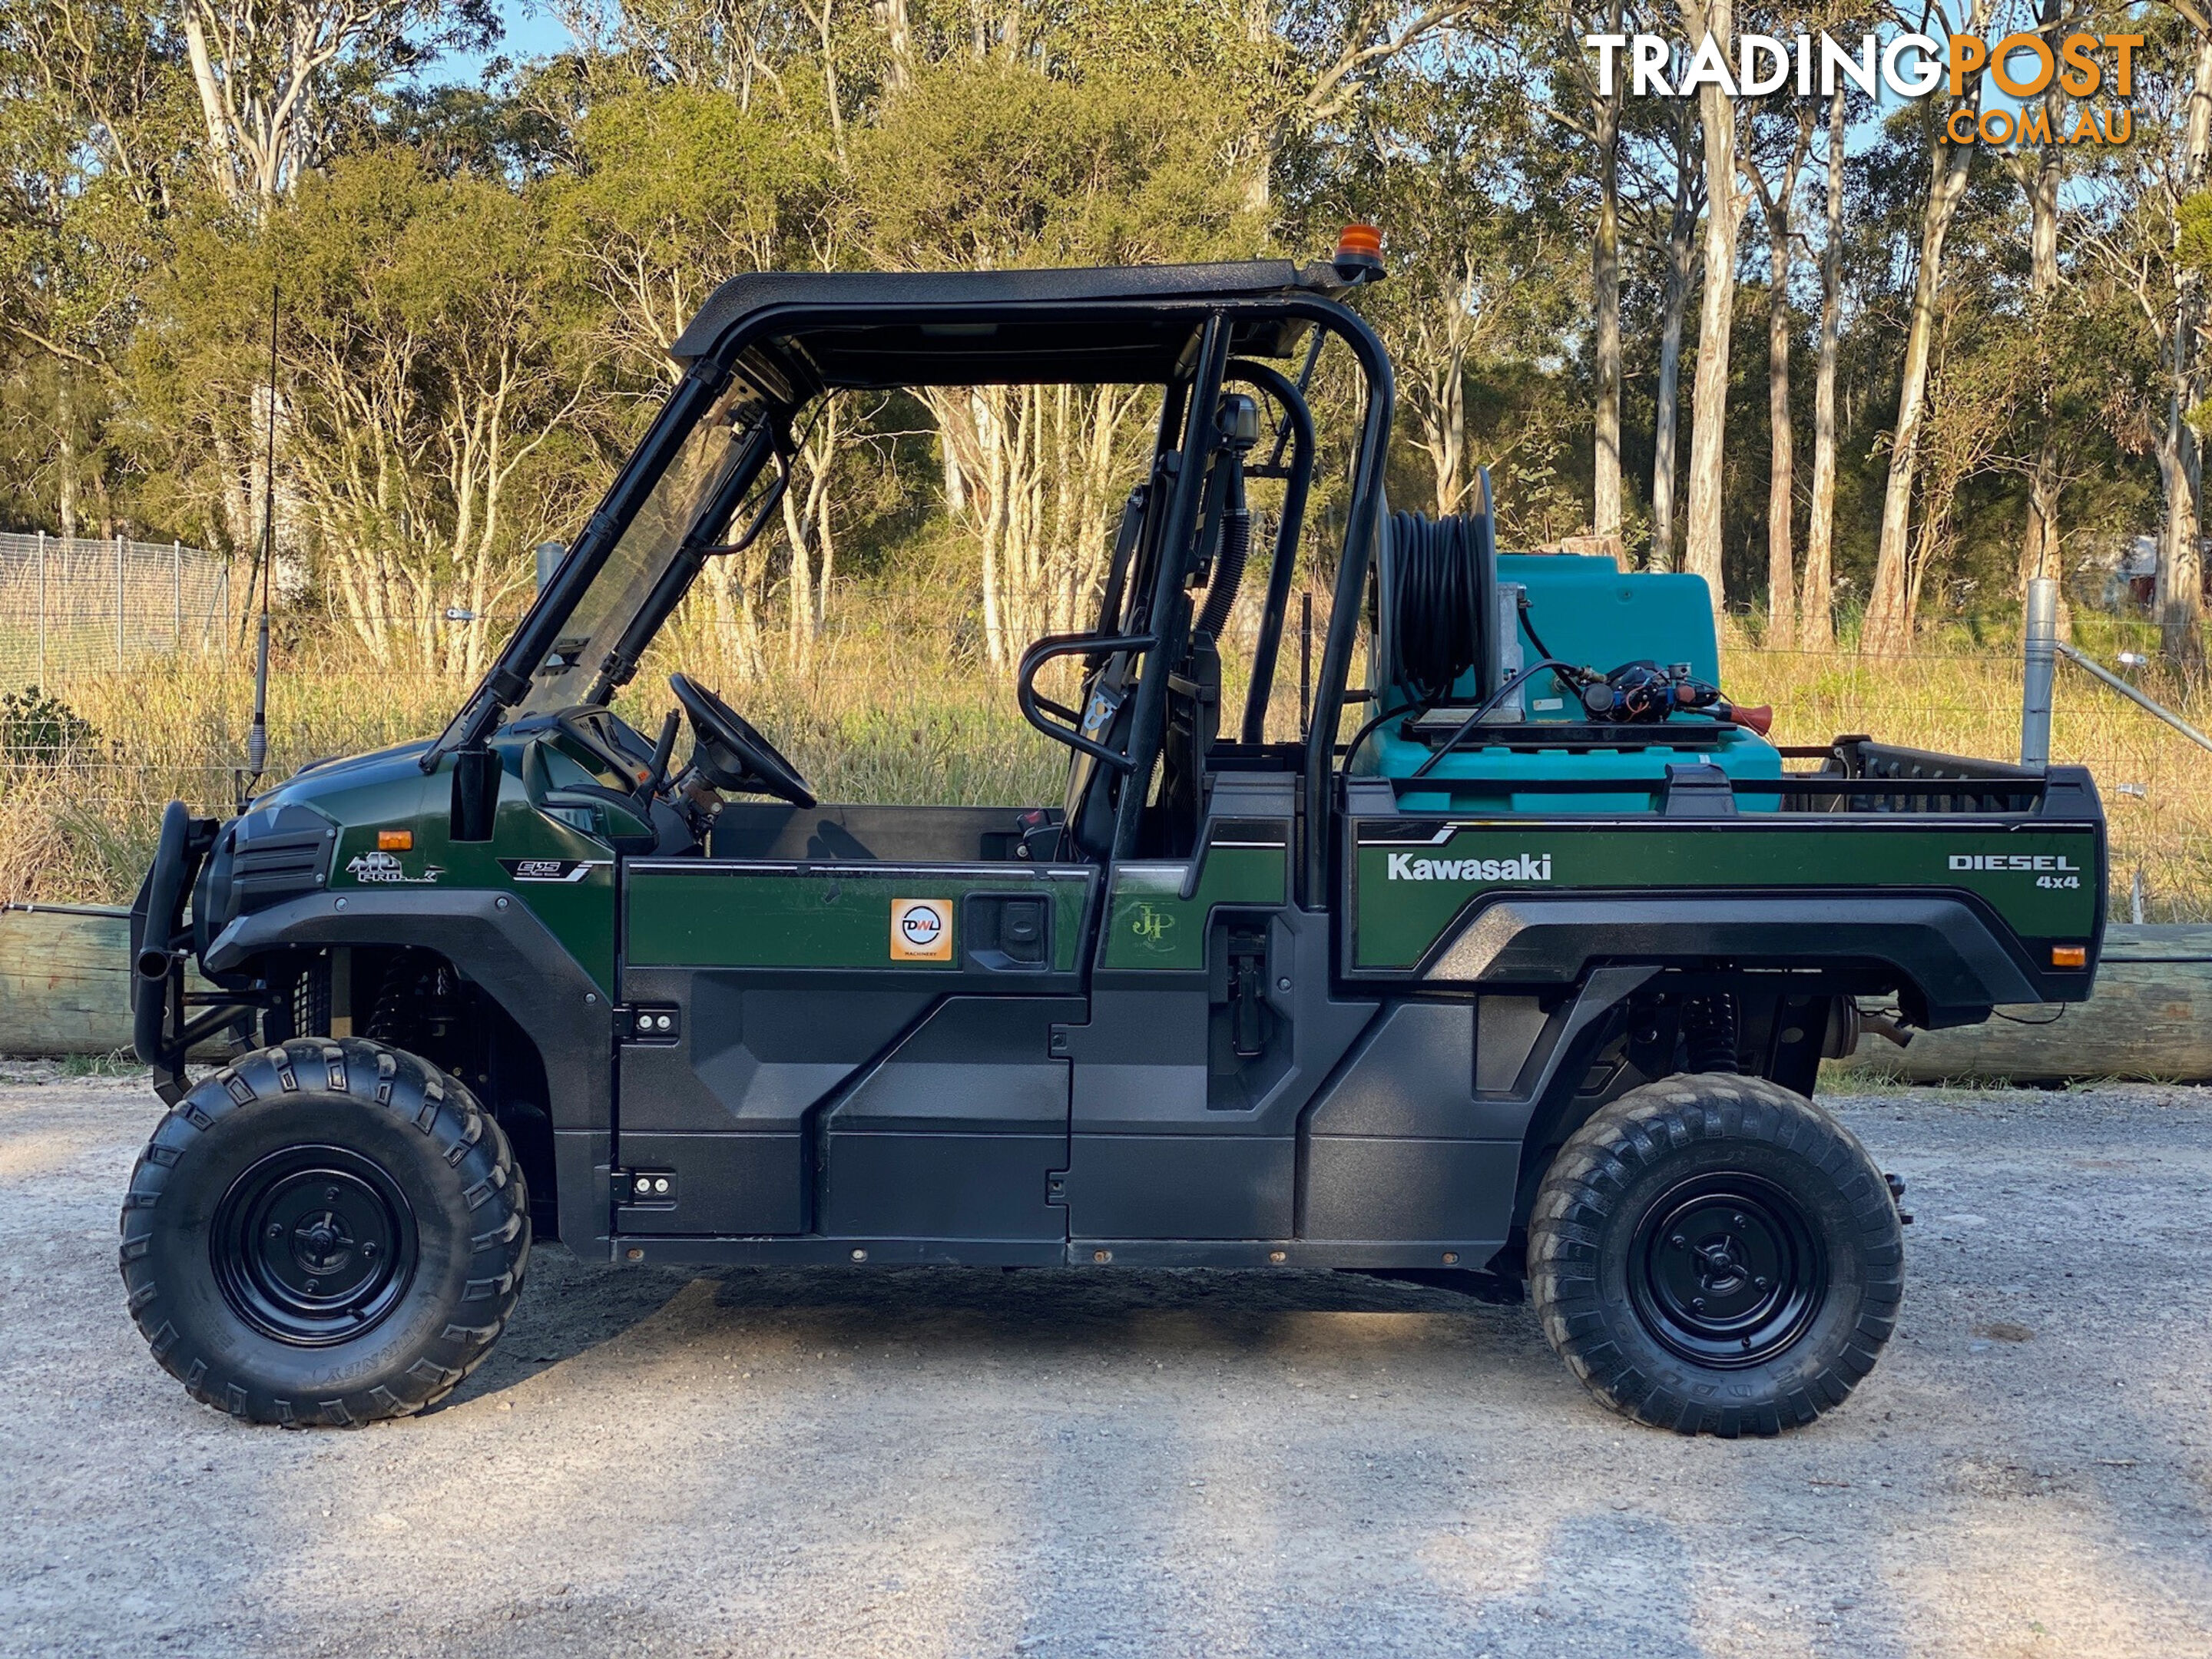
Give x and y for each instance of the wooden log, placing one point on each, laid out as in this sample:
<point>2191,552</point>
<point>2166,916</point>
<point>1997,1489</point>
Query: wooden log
<point>2151,1016</point>
<point>66,981</point>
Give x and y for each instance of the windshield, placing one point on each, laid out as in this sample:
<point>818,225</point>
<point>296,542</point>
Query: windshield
<point>597,624</point>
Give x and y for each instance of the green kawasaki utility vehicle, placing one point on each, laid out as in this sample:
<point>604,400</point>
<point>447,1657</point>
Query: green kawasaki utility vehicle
<point>1519,965</point>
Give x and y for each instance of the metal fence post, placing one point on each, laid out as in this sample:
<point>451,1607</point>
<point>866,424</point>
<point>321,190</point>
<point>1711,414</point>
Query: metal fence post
<point>118,604</point>
<point>2041,646</point>
<point>176,594</point>
<point>42,610</point>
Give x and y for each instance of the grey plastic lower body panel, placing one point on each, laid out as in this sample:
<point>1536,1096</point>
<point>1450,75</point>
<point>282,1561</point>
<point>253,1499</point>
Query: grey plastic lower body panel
<point>1941,947</point>
<point>1394,1189</point>
<point>1187,1185</point>
<point>1100,1252</point>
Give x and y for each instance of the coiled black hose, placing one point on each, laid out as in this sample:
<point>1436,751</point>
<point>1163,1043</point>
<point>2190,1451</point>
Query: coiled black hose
<point>1436,623</point>
<point>1229,569</point>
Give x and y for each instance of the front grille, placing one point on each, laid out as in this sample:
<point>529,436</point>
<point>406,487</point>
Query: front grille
<point>284,859</point>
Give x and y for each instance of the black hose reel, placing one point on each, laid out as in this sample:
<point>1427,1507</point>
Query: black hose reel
<point>1435,604</point>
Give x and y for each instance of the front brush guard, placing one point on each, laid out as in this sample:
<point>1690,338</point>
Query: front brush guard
<point>160,1031</point>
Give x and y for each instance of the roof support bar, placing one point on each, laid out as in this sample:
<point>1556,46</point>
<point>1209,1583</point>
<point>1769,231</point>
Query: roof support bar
<point>1168,615</point>
<point>1363,526</point>
<point>1299,431</point>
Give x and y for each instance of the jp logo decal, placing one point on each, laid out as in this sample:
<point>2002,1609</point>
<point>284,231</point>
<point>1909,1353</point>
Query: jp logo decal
<point>383,869</point>
<point>1152,927</point>
<point>922,930</point>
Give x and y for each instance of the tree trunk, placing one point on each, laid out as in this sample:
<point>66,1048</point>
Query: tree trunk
<point>1816,628</point>
<point>1681,245</point>
<point>1259,180</point>
<point>2177,591</point>
<point>222,158</point>
<point>898,44</point>
<point>2038,551</point>
<point>823,22</point>
<point>1605,282</point>
<point>1708,393</point>
<point>65,449</point>
<point>1888,625</point>
<point>2179,588</point>
<point>1433,378</point>
<point>1781,558</point>
<point>799,601</point>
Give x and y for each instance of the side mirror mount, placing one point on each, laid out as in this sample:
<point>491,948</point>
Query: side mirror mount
<point>476,795</point>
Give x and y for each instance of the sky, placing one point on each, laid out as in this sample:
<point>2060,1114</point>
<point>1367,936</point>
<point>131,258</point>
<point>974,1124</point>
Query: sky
<point>532,32</point>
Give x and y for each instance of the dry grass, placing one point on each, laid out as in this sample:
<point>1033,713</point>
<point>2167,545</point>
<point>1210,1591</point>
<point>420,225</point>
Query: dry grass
<point>870,722</point>
<point>896,708</point>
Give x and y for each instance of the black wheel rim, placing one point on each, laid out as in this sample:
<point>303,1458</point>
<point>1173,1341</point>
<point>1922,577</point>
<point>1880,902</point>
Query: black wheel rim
<point>1727,1271</point>
<point>313,1245</point>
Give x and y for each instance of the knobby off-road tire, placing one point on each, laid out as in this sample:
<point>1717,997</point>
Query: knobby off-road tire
<point>329,1231</point>
<point>1716,1255</point>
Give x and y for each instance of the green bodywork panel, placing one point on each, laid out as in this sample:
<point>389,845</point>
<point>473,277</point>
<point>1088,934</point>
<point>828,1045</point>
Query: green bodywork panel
<point>390,792</point>
<point>745,915</point>
<point>1149,925</point>
<point>1411,883</point>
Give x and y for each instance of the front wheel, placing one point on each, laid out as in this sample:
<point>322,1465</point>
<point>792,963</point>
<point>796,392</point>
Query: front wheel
<point>329,1231</point>
<point>1716,1255</point>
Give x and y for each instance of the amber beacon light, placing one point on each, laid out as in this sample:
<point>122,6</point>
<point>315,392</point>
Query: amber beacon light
<point>1359,253</point>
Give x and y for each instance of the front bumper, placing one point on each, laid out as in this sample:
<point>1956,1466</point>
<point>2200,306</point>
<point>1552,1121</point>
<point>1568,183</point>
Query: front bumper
<point>167,1022</point>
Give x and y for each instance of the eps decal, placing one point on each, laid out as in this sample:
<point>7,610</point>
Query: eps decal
<point>551,869</point>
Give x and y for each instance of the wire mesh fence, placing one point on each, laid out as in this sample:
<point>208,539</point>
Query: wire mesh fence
<point>70,604</point>
<point>876,717</point>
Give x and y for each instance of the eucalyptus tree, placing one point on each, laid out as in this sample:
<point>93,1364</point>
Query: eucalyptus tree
<point>276,80</point>
<point>1453,161</point>
<point>94,154</point>
<point>985,165</point>
<point>1780,140</point>
<point>432,371</point>
<point>1888,623</point>
<point>1662,208</point>
<point>1712,25</point>
<point>1816,628</point>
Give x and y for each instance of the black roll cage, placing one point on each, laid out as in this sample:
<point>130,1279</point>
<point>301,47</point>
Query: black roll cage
<point>1194,388</point>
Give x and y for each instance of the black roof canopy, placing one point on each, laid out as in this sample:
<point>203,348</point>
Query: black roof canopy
<point>1125,324</point>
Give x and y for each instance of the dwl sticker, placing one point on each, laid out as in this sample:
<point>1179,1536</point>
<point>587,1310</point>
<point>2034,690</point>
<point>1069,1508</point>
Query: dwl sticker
<point>922,930</point>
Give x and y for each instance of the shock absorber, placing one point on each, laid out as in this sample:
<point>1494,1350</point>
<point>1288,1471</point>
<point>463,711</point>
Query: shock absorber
<point>1709,1032</point>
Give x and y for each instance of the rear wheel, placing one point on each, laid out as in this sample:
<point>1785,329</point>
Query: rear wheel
<point>1715,1254</point>
<point>329,1231</point>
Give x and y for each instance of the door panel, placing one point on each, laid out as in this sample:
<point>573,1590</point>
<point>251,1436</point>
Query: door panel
<point>960,1131</point>
<point>864,1048</point>
<point>1175,1133</point>
<point>824,919</point>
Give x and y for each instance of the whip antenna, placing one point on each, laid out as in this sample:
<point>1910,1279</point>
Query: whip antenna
<point>256,735</point>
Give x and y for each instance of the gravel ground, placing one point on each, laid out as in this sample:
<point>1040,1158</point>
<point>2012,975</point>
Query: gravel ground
<point>958,1463</point>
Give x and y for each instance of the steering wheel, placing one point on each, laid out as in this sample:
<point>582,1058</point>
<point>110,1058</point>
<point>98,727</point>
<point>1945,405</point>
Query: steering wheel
<point>730,754</point>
